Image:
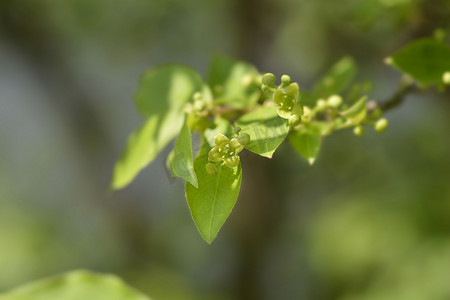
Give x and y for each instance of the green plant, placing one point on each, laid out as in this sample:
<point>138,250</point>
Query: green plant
<point>238,108</point>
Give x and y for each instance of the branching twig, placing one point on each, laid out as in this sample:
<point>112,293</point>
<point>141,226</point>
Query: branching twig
<point>398,98</point>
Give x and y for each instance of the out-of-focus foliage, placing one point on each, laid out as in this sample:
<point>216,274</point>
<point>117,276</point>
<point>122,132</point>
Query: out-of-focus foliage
<point>171,87</point>
<point>233,82</point>
<point>77,285</point>
<point>426,60</point>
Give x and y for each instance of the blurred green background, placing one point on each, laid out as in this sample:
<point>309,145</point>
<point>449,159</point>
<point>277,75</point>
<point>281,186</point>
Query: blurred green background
<point>371,220</point>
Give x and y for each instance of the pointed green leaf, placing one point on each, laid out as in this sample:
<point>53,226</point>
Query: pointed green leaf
<point>357,112</point>
<point>338,78</point>
<point>233,82</point>
<point>211,203</point>
<point>161,97</point>
<point>425,60</point>
<point>77,285</point>
<point>266,129</point>
<point>180,161</point>
<point>306,141</point>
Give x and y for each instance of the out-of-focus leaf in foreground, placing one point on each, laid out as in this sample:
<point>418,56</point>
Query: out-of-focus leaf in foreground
<point>77,285</point>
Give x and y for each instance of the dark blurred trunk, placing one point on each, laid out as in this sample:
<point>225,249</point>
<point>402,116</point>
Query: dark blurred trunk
<point>262,199</point>
<point>258,216</point>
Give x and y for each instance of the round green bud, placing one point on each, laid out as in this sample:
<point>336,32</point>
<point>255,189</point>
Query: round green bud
<point>286,80</point>
<point>381,125</point>
<point>236,130</point>
<point>244,139</point>
<point>294,120</point>
<point>265,88</point>
<point>446,77</point>
<point>268,79</point>
<point>220,139</point>
<point>321,103</point>
<point>210,168</point>
<point>334,100</point>
<point>359,131</point>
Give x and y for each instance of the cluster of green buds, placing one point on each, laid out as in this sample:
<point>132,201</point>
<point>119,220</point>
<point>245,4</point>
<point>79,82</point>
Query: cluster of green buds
<point>341,116</point>
<point>380,126</point>
<point>374,118</point>
<point>225,151</point>
<point>198,111</point>
<point>286,96</point>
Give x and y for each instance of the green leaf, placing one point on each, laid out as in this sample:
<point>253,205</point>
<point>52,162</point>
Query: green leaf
<point>425,60</point>
<point>337,79</point>
<point>233,82</point>
<point>266,129</point>
<point>161,97</point>
<point>306,141</point>
<point>356,113</point>
<point>77,285</point>
<point>180,160</point>
<point>211,203</point>
<point>222,126</point>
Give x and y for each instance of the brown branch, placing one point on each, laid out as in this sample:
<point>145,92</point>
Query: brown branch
<point>399,97</point>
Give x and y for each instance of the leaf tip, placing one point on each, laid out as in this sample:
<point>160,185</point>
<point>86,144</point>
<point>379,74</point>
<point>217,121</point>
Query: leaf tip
<point>194,183</point>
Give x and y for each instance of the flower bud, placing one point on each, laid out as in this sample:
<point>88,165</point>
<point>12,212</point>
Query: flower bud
<point>220,139</point>
<point>321,103</point>
<point>294,120</point>
<point>381,125</point>
<point>286,80</point>
<point>244,139</point>
<point>265,88</point>
<point>237,130</point>
<point>334,100</point>
<point>268,79</point>
<point>359,131</point>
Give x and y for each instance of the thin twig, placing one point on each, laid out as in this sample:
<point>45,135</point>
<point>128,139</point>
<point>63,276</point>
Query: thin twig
<point>399,96</point>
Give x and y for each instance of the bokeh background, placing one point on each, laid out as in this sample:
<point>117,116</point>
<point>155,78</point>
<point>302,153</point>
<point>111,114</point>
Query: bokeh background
<point>371,220</point>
